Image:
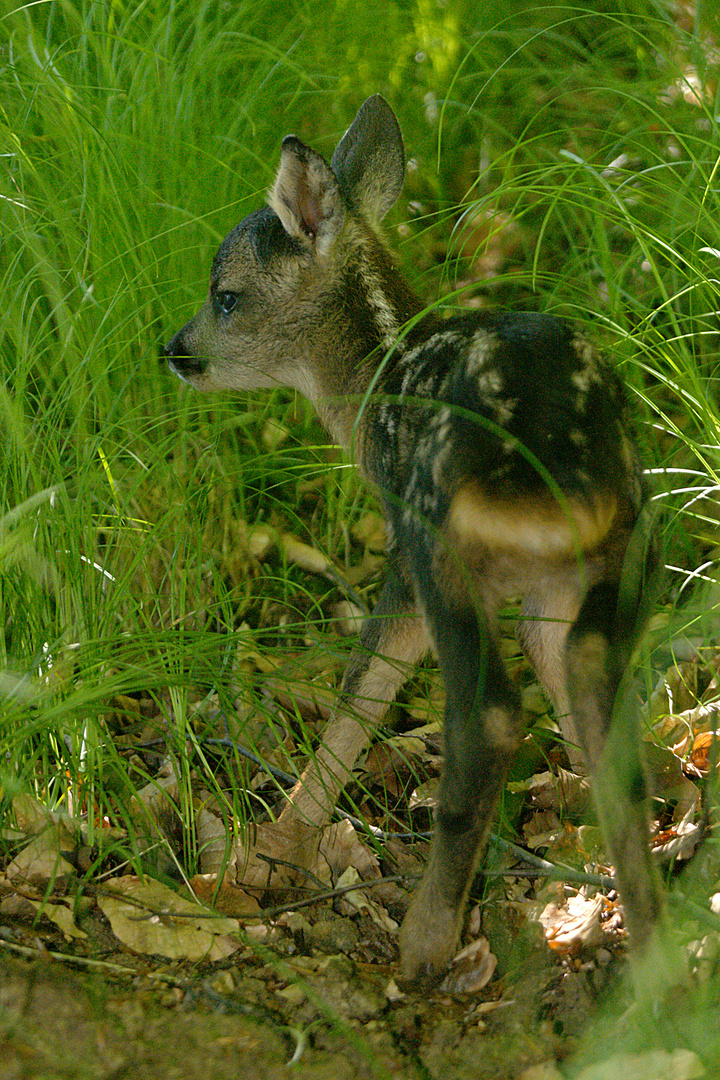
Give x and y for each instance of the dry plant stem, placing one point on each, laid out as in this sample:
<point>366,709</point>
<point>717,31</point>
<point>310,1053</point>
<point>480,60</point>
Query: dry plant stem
<point>330,894</point>
<point>316,792</point>
<point>88,962</point>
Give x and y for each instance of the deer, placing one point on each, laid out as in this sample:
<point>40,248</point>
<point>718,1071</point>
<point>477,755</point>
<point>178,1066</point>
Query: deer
<point>500,446</point>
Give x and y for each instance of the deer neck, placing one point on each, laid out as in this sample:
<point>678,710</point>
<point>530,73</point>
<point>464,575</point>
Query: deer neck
<point>368,324</point>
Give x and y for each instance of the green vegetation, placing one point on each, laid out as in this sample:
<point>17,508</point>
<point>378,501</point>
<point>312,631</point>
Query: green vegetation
<point>565,159</point>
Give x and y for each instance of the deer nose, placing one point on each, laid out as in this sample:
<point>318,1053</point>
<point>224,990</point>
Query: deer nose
<point>179,358</point>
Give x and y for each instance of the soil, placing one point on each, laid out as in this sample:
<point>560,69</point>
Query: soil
<point>321,1014</point>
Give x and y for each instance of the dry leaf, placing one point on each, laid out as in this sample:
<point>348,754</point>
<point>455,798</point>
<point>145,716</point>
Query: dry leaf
<point>359,900</point>
<point>154,808</point>
<point>60,914</point>
<point>574,924</point>
<point>151,919</point>
<point>667,780</point>
<point>682,840</point>
<point>251,863</point>
<point>41,862</point>
<point>393,992</point>
<point>225,898</point>
<point>557,790</point>
<point>32,815</point>
<point>674,692</point>
<point>425,795</point>
<point>341,848</point>
<point>471,969</point>
<point>706,751</point>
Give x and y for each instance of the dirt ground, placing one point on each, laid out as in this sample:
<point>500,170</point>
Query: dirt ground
<point>106,974</point>
<point>246,1020</point>
<point>317,1012</point>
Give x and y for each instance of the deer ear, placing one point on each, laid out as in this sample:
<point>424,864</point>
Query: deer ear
<point>306,196</point>
<point>369,161</point>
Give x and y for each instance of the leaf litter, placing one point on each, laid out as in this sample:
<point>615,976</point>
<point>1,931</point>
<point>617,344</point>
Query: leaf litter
<point>304,938</point>
<point>307,935</point>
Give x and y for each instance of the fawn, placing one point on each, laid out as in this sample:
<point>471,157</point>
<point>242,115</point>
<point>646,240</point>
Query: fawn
<point>499,448</point>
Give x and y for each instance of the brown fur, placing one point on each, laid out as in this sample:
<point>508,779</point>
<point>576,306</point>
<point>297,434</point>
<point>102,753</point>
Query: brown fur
<point>499,447</point>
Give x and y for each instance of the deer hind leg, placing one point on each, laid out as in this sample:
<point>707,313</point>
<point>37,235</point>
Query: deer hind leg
<point>391,642</point>
<point>482,732</point>
<point>599,645</point>
<point>546,616</point>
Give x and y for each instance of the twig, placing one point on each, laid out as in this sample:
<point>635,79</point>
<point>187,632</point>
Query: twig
<point>330,894</point>
<point>86,961</point>
<point>547,869</point>
<point>551,870</point>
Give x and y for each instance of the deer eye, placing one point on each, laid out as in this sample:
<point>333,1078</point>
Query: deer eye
<point>226,302</point>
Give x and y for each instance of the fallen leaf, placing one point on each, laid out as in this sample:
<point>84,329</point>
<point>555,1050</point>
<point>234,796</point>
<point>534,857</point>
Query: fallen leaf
<point>425,795</point>
<point>393,992</point>
<point>341,848</point>
<point>706,751</point>
<point>471,969</point>
<point>358,900</point>
<point>667,780</point>
<point>560,789</point>
<point>674,692</point>
<point>32,816</point>
<point>682,840</point>
<point>151,919</point>
<point>575,923</point>
<point>60,914</point>
<point>224,897</point>
<point>41,862</point>
<point>274,855</point>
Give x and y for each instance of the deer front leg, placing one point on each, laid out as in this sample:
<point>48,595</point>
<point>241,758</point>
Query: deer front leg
<point>482,733</point>
<point>391,642</point>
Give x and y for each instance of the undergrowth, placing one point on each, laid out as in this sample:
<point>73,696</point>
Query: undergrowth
<point>566,161</point>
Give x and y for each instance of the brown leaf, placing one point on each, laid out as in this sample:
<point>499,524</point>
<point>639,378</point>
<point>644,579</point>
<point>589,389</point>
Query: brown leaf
<point>274,855</point>
<point>224,897</point>
<point>41,862</point>
<point>674,692</point>
<point>358,900</point>
<point>706,751</point>
<point>682,840</point>
<point>471,969</point>
<point>340,848</point>
<point>149,918</point>
<point>575,923</point>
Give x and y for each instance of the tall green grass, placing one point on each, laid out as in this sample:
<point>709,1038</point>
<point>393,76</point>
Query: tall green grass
<point>564,160</point>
